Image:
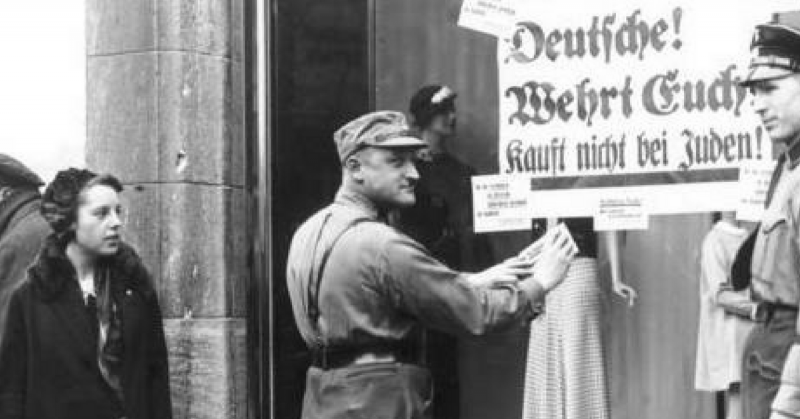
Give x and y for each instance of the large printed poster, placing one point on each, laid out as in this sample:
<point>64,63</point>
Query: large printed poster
<point>623,100</point>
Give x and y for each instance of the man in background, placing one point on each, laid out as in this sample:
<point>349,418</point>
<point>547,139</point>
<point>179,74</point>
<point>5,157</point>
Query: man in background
<point>22,228</point>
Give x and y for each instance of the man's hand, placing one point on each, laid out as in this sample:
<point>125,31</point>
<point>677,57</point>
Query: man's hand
<point>532,252</point>
<point>511,270</point>
<point>552,263</point>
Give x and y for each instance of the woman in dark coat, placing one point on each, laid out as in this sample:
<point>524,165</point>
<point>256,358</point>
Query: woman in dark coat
<point>84,336</point>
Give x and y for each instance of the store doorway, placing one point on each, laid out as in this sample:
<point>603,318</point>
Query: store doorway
<point>332,61</point>
<point>317,76</point>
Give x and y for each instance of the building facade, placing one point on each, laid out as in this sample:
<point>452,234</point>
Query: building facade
<point>218,114</point>
<point>165,112</point>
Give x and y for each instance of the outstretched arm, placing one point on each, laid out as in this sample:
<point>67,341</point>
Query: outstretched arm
<point>474,304</point>
<point>612,241</point>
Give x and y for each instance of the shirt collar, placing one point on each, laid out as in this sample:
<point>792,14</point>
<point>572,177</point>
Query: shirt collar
<point>87,287</point>
<point>358,202</point>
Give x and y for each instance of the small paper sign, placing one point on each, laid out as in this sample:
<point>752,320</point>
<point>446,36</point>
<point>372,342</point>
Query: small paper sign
<point>500,203</point>
<point>621,214</point>
<point>493,17</point>
<point>754,178</point>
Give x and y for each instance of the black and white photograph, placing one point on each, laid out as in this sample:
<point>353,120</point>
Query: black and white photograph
<point>400,209</point>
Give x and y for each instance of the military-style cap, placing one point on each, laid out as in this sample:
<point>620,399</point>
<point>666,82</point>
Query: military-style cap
<point>384,129</point>
<point>14,173</point>
<point>775,48</point>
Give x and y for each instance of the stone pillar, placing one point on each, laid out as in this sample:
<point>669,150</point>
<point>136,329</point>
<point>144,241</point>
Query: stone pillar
<point>165,114</point>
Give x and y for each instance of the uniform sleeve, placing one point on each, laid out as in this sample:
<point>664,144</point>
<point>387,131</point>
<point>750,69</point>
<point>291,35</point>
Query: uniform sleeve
<point>13,362</point>
<point>442,299</point>
<point>787,401</point>
<point>737,303</point>
<point>715,272</point>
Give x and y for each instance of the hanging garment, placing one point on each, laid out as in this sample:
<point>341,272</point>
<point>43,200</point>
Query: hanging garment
<point>720,335</point>
<point>566,374</point>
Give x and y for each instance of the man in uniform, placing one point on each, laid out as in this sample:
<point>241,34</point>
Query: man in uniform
<point>359,288</point>
<point>22,229</point>
<point>771,373</point>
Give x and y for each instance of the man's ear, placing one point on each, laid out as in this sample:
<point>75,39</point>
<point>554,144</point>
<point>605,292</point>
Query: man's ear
<point>353,166</point>
<point>5,191</point>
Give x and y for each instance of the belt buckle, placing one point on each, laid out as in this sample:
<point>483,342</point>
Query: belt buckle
<point>770,308</point>
<point>764,312</point>
<point>374,358</point>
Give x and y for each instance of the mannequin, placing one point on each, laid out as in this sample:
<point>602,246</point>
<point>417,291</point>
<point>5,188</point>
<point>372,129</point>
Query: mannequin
<point>566,372</point>
<point>441,220</point>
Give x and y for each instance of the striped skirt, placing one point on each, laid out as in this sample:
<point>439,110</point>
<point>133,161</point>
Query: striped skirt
<point>565,375</point>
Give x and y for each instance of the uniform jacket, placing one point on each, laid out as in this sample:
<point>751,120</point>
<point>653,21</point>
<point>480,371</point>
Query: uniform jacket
<point>776,266</point>
<point>379,284</point>
<point>22,232</point>
<point>48,359</point>
<point>354,281</point>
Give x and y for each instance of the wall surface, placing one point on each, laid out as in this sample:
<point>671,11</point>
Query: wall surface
<point>165,113</point>
<point>652,346</point>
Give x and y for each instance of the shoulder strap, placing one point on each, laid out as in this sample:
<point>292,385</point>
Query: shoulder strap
<point>316,279</point>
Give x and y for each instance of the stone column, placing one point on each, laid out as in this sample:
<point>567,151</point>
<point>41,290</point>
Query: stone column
<point>165,114</point>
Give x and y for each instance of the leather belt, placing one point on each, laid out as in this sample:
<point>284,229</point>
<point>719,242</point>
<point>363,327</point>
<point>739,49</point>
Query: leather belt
<point>768,309</point>
<point>332,357</point>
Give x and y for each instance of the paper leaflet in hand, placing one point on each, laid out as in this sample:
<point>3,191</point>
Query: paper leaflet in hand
<point>532,252</point>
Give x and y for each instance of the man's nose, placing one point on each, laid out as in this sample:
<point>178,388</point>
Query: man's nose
<point>759,103</point>
<point>115,220</point>
<point>411,171</point>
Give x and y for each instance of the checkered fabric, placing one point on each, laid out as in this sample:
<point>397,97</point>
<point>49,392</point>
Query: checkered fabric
<point>565,376</point>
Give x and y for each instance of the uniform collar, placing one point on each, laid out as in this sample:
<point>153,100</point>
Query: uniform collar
<point>792,154</point>
<point>358,202</point>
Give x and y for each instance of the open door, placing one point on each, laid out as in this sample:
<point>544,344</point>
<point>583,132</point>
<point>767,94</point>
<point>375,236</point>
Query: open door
<point>313,78</point>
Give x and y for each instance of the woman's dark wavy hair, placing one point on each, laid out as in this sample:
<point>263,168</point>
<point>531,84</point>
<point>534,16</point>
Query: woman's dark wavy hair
<point>63,196</point>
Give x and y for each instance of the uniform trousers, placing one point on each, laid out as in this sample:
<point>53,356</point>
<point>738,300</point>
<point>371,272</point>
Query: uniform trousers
<point>389,390</point>
<point>764,355</point>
